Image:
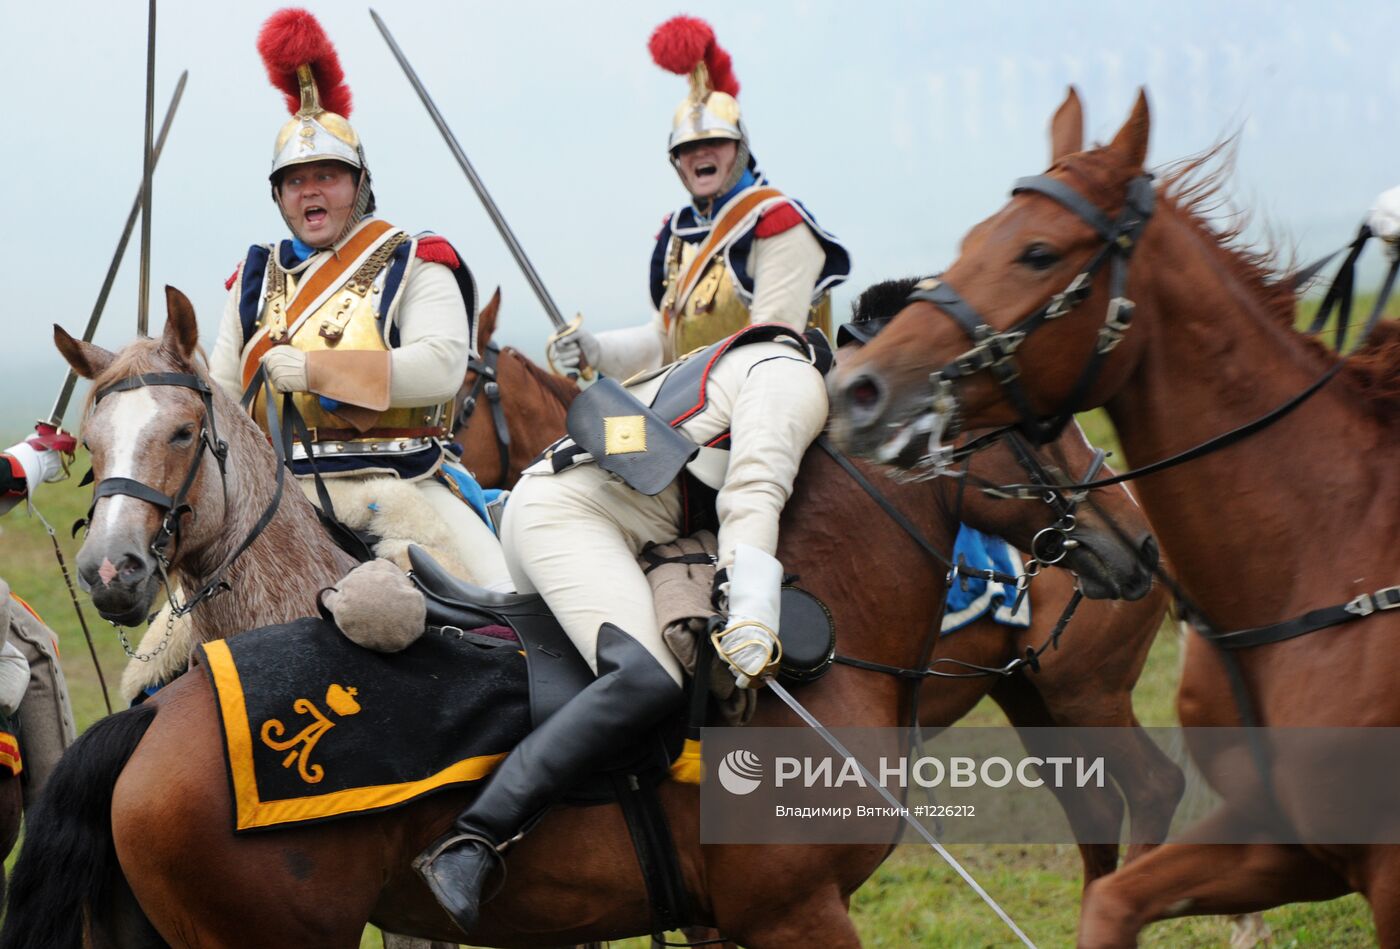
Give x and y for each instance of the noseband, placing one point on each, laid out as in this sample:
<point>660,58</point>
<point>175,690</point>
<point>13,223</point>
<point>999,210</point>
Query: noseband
<point>995,351</point>
<point>488,384</point>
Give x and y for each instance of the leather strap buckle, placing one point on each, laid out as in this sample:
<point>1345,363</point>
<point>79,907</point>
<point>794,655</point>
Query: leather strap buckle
<point>1386,598</point>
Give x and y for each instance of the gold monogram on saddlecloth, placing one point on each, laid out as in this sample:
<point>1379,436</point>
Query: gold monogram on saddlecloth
<point>341,700</point>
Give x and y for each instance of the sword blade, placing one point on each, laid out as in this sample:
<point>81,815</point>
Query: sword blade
<point>143,307</point>
<point>65,392</point>
<point>777,689</point>
<point>550,308</point>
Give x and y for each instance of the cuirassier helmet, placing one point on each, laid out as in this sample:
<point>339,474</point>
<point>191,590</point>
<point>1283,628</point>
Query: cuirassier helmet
<point>302,63</point>
<point>686,46</point>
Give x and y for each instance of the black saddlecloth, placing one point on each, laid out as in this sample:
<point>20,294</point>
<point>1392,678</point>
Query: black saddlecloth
<point>316,727</point>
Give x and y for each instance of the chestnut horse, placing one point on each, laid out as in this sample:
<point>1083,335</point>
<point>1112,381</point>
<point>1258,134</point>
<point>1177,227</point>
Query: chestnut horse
<point>1300,515</point>
<point>1106,644</point>
<point>133,843</point>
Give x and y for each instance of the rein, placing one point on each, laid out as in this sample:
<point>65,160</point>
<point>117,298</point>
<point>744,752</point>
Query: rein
<point>488,384</point>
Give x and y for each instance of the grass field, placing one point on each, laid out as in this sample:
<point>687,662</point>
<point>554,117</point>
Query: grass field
<point>913,900</point>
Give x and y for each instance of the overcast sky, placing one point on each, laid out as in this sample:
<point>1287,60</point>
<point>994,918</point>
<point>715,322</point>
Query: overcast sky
<point>898,124</point>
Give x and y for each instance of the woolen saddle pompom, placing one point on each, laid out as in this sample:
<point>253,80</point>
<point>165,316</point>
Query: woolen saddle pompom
<point>376,606</point>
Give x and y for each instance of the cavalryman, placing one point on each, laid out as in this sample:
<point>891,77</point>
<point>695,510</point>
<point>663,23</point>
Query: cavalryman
<point>28,648</point>
<point>741,252</point>
<point>366,325</point>
<point>715,437</point>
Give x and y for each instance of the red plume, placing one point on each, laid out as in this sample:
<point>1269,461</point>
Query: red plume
<point>292,37</point>
<point>683,42</point>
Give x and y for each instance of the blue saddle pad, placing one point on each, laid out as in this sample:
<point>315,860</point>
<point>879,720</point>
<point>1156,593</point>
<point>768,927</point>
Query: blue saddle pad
<point>971,598</point>
<point>474,494</point>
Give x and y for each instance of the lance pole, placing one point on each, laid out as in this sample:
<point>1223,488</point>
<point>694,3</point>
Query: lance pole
<point>65,393</point>
<point>143,307</point>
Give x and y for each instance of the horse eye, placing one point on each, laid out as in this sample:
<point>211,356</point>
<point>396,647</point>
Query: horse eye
<point>183,436</point>
<point>1038,257</point>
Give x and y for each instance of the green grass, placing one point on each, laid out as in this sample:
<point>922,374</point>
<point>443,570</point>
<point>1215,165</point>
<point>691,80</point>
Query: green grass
<point>912,900</point>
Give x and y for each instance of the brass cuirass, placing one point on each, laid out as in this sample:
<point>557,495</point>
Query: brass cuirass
<point>714,310</point>
<point>347,320</point>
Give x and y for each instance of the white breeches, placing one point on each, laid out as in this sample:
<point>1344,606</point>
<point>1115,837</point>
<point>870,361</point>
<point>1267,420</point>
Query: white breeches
<point>574,537</point>
<point>476,545</point>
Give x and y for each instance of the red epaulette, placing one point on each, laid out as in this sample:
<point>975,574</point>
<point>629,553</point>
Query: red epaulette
<point>228,284</point>
<point>436,250</point>
<point>665,223</point>
<point>775,220</point>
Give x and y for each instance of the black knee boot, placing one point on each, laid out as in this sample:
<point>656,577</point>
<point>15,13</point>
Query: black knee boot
<point>631,694</point>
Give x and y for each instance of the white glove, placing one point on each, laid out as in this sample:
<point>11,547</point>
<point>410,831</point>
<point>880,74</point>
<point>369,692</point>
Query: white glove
<point>749,643</point>
<point>1385,218</point>
<point>39,466</point>
<point>568,347</point>
<point>286,368</point>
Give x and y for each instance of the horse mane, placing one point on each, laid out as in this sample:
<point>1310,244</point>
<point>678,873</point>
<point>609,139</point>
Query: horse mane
<point>563,390</point>
<point>1196,188</point>
<point>882,300</point>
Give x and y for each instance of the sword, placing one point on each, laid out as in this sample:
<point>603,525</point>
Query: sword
<point>65,393</point>
<point>870,780</point>
<point>143,309</point>
<point>550,308</point>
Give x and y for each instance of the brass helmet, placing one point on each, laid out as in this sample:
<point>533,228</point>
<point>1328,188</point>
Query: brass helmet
<point>302,63</point>
<point>686,46</point>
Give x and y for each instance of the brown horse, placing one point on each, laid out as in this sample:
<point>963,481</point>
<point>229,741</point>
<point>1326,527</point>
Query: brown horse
<point>138,815</point>
<point>1302,514</point>
<point>1107,642</point>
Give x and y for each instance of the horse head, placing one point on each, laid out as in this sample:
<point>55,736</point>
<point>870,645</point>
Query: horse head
<point>147,439</point>
<point>1029,323</point>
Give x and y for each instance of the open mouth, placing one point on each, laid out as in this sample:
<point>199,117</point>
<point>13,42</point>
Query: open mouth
<point>315,216</point>
<point>705,171</point>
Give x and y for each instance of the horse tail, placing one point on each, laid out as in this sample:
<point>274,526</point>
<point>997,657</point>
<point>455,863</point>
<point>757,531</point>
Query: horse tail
<point>68,860</point>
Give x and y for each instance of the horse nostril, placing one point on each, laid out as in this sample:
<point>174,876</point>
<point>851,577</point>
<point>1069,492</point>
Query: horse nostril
<point>864,392</point>
<point>1148,553</point>
<point>132,569</point>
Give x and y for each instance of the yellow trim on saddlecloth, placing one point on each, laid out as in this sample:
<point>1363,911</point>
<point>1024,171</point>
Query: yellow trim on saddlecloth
<point>251,812</point>
<point>688,768</point>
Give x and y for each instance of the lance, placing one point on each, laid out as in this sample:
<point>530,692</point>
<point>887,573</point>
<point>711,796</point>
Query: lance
<point>143,308</point>
<point>551,309</point>
<point>60,405</point>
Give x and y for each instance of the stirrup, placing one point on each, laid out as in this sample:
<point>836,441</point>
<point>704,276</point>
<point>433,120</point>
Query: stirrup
<point>422,864</point>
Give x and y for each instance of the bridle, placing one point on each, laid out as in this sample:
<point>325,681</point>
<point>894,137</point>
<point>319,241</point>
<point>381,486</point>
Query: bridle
<point>487,384</point>
<point>995,351</point>
<point>175,507</point>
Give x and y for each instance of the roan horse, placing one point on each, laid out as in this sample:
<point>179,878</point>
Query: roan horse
<point>1104,647</point>
<point>134,837</point>
<point>1299,515</point>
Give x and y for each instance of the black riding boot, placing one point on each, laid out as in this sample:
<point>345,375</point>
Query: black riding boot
<point>631,694</point>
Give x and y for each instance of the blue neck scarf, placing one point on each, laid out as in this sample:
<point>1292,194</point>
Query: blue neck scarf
<point>303,251</point>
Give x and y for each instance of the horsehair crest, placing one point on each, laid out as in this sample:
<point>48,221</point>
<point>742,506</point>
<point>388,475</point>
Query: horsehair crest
<point>683,43</point>
<point>293,37</point>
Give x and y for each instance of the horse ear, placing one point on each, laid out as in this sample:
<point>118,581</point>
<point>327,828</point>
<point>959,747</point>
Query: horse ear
<point>1131,140</point>
<point>181,331</point>
<point>1067,127</point>
<point>486,321</point>
<point>87,359</point>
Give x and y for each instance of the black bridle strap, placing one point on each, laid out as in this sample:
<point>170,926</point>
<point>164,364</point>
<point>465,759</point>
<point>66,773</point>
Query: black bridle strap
<point>898,516</point>
<point>488,383</point>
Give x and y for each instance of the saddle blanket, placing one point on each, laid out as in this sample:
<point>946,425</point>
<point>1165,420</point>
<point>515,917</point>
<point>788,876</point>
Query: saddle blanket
<point>971,598</point>
<point>315,727</point>
<point>11,762</point>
